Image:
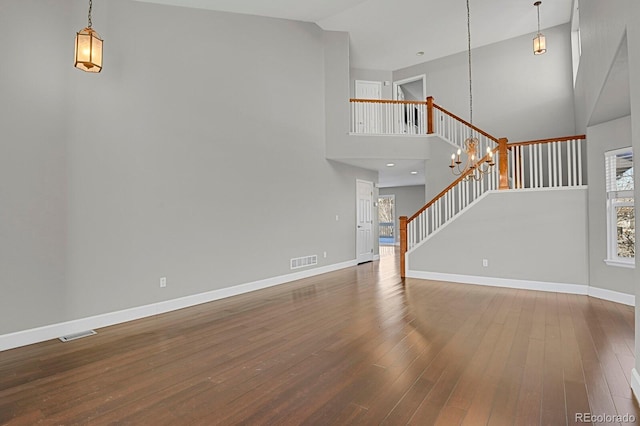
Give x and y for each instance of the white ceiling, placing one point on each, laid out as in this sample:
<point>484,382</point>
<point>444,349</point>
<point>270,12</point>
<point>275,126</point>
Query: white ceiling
<point>387,34</point>
<point>400,174</point>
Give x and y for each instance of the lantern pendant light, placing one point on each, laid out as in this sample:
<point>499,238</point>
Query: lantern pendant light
<point>539,41</point>
<point>88,54</point>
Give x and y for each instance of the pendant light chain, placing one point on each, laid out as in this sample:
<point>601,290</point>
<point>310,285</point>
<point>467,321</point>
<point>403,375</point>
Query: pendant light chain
<point>476,166</point>
<point>538,7</point>
<point>469,50</point>
<point>90,6</point>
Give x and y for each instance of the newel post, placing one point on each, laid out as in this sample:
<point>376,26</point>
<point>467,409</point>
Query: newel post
<point>403,243</point>
<point>503,158</point>
<point>429,115</point>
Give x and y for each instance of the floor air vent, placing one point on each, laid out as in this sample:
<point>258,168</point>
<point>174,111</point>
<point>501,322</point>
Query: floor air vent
<point>74,336</point>
<point>301,262</point>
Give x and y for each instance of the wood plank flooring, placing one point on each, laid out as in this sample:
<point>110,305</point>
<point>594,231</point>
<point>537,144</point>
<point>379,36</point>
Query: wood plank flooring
<point>357,346</point>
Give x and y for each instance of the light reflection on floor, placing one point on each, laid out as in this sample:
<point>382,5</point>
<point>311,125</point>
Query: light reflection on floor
<point>387,250</point>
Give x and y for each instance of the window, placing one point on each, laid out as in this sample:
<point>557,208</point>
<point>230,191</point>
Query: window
<point>576,41</point>
<point>621,231</point>
<point>386,219</point>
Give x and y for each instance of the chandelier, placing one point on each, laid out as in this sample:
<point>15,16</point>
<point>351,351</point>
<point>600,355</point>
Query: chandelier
<point>479,166</point>
<point>474,167</point>
<point>88,55</point>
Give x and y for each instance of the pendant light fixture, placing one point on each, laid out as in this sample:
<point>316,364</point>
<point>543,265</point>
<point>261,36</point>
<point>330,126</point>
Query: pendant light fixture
<point>474,160</point>
<point>539,41</point>
<point>88,55</point>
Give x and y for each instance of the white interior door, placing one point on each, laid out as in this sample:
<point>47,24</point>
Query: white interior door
<point>369,117</point>
<point>364,222</point>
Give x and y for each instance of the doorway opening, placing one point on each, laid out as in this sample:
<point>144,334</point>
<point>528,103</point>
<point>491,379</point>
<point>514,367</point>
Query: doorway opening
<point>410,89</point>
<point>386,220</point>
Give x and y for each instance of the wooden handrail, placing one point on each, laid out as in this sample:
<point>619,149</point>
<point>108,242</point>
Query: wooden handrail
<point>541,141</point>
<point>387,101</point>
<point>454,183</point>
<point>430,115</point>
<point>466,123</point>
<point>404,221</point>
<point>403,244</point>
<point>503,164</point>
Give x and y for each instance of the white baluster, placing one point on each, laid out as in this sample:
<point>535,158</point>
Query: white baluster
<point>530,164</point>
<point>549,153</point>
<point>580,162</point>
<point>569,163</point>
<point>574,159</point>
<point>559,148</point>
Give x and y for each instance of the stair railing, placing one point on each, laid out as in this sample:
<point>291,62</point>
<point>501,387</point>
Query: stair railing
<point>544,163</point>
<point>455,130</point>
<point>446,205</point>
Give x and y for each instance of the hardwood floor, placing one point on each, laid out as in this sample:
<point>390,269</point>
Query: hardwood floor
<point>356,346</point>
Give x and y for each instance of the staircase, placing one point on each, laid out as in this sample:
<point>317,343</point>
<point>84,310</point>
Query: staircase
<point>536,164</point>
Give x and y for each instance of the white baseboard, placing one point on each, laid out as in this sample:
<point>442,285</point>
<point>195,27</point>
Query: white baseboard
<point>376,257</point>
<point>613,296</point>
<point>635,384</point>
<point>53,331</point>
<point>501,282</point>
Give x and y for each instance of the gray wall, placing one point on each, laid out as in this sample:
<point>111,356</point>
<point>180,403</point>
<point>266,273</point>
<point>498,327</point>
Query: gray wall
<point>436,169</point>
<point>34,121</point>
<point>516,94</point>
<point>633,40</point>
<point>601,138</point>
<point>603,26</point>
<point>525,235</point>
<point>211,172</point>
<point>408,200</point>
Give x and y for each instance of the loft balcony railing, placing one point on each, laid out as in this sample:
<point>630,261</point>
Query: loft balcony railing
<point>384,117</point>
<point>414,118</point>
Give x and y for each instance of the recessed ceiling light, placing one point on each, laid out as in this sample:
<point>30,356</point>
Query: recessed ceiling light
<point>419,53</point>
<point>391,164</point>
<point>414,172</point>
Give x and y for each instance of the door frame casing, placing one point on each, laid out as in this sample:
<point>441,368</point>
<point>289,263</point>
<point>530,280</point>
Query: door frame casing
<point>422,77</point>
<point>374,220</point>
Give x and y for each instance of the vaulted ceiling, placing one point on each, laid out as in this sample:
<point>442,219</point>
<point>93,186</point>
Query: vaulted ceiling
<point>387,34</point>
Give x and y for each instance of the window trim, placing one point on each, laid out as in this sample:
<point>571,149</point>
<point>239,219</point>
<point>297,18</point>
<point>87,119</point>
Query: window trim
<point>611,196</point>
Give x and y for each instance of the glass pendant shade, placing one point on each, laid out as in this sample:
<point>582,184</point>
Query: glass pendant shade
<point>539,44</point>
<point>88,55</point>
